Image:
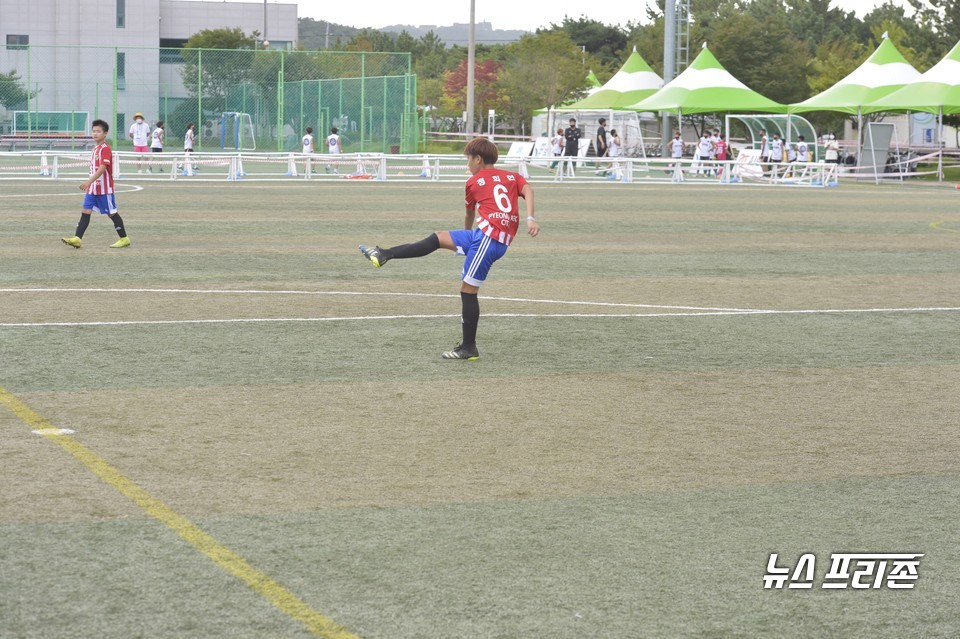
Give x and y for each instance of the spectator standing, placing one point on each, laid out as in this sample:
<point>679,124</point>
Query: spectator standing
<point>831,152</point>
<point>333,146</point>
<point>676,152</point>
<point>306,142</point>
<point>571,139</point>
<point>557,147</point>
<point>601,144</point>
<point>140,134</point>
<point>188,139</point>
<point>764,149</point>
<point>803,151</point>
<point>156,141</point>
<point>613,152</point>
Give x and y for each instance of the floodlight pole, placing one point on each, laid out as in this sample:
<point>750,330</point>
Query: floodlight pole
<point>471,60</point>
<point>669,57</point>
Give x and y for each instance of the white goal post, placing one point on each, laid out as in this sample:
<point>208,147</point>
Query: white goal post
<point>236,131</point>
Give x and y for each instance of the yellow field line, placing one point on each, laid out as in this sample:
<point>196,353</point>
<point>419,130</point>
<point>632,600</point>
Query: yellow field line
<point>936,226</point>
<point>233,563</point>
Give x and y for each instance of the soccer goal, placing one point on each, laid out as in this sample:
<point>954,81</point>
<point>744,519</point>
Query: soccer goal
<point>236,131</point>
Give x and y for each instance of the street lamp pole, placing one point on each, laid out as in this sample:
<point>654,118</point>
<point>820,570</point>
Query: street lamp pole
<point>471,58</point>
<point>266,42</point>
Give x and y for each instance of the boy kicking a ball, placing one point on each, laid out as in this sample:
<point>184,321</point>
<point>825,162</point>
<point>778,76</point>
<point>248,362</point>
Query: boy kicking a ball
<point>99,190</point>
<point>492,198</point>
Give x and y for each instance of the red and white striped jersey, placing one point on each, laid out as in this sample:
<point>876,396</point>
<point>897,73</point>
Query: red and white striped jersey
<point>101,156</point>
<point>494,194</point>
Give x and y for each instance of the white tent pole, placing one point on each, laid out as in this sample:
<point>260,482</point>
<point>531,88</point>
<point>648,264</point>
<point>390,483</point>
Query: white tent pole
<point>940,145</point>
<point>860,135</point>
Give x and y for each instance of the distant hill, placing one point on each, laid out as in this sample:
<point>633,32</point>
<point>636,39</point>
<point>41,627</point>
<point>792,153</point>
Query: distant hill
<point>320,34</point>
<point>314,34</point>
<point>459,33</point>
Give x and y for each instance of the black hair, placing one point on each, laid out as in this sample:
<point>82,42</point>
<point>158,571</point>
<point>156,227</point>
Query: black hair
<point>102,124</point>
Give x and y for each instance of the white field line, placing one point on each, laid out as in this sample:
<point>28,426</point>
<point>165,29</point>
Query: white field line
<point>357,293</point>
<point>119,188</point>
<point>690,311</point>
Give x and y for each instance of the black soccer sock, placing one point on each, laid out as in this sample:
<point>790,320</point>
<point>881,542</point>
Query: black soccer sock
<point>470,316</point>
<point>118,224</point>
<point>83,224</point>
<point>426,246</point>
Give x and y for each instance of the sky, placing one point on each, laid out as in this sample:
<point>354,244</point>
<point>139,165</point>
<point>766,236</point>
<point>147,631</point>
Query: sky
<point>503,14</point>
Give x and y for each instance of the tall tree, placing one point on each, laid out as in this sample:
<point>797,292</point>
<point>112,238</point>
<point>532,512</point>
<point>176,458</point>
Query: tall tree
<point>371,40</point>
<point>605,43</point>
<point>763,54</point>
<point>485,88</point>
<point>13,95</point>
<point>942,17</point>
<point>538,71</point>
<point>212,73</point>
<point>920,43</point>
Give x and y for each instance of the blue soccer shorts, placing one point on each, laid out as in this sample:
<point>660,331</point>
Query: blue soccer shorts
<point>103,204</point>
<point>481,252</point>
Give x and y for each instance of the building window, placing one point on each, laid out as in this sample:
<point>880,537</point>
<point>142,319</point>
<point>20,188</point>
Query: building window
<point>170,50</point>
<point>121,70</point>
<point>15,42</point>
<point>121,14</point>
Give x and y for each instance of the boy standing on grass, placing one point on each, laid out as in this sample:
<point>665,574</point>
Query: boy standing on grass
<point>99,190</point>
<point>492,198</point>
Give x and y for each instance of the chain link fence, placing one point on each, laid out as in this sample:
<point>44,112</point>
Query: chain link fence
<point>238,99</point>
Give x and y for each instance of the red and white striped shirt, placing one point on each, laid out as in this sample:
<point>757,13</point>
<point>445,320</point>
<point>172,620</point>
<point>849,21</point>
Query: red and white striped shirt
<point>494,193</point>
<point>101,156</point>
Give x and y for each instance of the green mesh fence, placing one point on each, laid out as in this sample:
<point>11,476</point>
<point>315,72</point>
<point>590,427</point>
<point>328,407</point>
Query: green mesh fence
<point>370,97</point>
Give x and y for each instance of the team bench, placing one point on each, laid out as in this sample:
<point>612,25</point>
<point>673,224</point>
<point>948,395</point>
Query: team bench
<point>44,141</point>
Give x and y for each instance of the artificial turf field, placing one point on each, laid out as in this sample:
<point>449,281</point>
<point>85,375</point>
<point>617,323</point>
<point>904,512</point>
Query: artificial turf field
<point>675,382</point>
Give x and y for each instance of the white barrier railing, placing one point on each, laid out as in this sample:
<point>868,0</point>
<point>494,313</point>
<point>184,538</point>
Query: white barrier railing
<point>233,166</point>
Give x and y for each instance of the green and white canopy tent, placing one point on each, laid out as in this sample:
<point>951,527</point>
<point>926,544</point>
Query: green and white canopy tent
<point>706,87</point>
<point>936,91</point>
<point>633,82</point>
<point>885,71</point>
<point>594,82</point>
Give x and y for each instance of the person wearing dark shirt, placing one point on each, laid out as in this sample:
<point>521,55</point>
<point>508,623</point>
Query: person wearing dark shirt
<point>571,136</point>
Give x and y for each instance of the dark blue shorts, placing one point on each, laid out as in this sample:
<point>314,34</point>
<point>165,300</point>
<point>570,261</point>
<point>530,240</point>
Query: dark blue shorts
<point>103,204</point>
<point>481,252</point>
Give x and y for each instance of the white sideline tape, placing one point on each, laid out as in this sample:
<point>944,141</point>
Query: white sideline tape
<point>691,311</point>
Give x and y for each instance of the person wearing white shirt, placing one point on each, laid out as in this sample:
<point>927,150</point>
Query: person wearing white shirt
<point>676,152</point>
<point>333,142</point>
<point>704,150</point>
<point>140,134</point>
<point>333,146</point>
<point>307,141</point>
<point>613,151</point>
<point>803,151</point>
<point>156,142</point>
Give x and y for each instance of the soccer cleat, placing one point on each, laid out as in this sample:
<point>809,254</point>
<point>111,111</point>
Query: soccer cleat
<point>123,242</point>
<point>375,255</point>
<point>462,352</point>
<point>74,241</point>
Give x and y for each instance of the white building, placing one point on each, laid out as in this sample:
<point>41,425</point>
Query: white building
<point>67,52</point>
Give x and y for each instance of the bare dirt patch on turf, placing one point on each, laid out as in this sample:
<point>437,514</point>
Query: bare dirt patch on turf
<point>280,449</point>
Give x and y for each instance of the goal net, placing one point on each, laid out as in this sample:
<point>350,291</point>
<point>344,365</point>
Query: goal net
<point>236,132</point>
